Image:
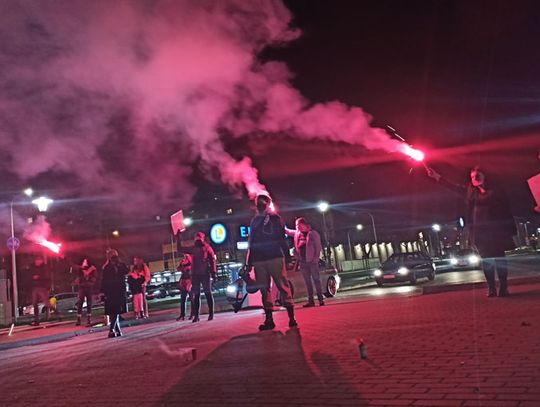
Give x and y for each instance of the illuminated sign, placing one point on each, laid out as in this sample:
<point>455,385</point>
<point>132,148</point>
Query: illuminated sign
<point>218,233</point>
<point>244,232</point>
<point>242,245</point>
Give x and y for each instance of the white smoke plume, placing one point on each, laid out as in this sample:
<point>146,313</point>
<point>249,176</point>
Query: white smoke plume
<point>129,96</point>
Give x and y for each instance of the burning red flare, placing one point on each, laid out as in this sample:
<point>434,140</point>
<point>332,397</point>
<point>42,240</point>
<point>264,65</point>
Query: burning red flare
<point>54,247</point>
<point>415,154</point>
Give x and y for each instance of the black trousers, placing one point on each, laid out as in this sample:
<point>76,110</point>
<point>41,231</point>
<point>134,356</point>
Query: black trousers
<point>206,282</point>
<point>184,296</point>
<point>499,266</point>
<point>85,292</point>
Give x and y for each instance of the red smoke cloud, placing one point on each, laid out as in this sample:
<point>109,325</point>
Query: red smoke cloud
<point>129,96</point>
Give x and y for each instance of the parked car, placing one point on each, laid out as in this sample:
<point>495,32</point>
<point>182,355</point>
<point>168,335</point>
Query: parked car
<point>330,281</point>
<point>405,267</point>
<point>465,259</point>
<point>156,291</point>
<point>65,302</point>
<point>172,289</point>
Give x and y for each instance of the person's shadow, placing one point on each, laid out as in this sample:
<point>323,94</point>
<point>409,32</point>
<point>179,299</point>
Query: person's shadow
<point>262,369</point>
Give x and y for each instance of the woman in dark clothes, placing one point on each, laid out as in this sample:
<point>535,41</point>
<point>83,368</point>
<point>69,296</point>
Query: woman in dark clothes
<point>113,286</point>
<point>490,225</point>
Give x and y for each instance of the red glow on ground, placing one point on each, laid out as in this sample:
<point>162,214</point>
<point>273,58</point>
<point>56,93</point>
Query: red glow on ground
<point>54,247</point>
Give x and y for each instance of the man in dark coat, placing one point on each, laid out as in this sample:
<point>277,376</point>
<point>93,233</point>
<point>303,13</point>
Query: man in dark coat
<point>113,287</point>
<point>490,225</point>
<point>267,253</point>
<point>41,284</point>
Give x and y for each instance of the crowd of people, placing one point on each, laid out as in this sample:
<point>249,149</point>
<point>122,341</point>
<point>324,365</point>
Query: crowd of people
<point>490,230</point>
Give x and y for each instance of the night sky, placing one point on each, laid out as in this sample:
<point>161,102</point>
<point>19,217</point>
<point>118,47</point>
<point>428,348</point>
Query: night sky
<point>458,79</point>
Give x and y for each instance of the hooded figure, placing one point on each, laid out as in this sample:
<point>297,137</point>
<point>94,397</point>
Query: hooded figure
<point>113,286</point>
<point>489,223</point>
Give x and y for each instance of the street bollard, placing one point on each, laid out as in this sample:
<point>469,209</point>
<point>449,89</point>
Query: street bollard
<point>362,349</point>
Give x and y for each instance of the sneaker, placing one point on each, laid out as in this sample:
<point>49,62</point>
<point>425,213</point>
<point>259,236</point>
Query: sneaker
<point>492,293</point>
<point>267,326</point>
<point>196,319</point>
<point>210,317</point>
<point>112,334</point>
<point>321,303</point>
<point>181,318</point>
<point>308,305</point>
<point>293,323</point>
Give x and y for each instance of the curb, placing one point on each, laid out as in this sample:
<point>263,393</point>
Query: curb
<point>165,316</point>
<point>437,289</point>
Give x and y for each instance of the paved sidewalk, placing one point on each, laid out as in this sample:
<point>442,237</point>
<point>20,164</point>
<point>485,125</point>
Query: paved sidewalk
<point>450,349</point>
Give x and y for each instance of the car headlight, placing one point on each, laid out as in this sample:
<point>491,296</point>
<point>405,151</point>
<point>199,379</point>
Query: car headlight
<point>231,289</point>
<point>403,271</point>
<point>377,273</point>
<point>474,259</point>
<point>157,292</point>
<point>453,261</point>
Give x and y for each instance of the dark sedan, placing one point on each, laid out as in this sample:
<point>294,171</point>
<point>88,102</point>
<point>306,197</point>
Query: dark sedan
<point>405,267</point>
<point>155,291</point>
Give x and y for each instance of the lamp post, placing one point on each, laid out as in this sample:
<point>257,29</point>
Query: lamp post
<point>437,228</point>
<point>359,227</point>
<point>323,207</point>
<point>15,295</point>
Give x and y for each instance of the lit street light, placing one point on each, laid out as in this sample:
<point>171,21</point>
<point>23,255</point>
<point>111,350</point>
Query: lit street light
<point>116,233</point>
<point>42,203</point>
<point>188,222</point>
<point>323,207</point>
<point>437,228</point>
<point>359,227</point>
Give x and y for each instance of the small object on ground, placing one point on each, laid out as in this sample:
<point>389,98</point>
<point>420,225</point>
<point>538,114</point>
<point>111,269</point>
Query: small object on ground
<point>525,323</point>
<point>362,349</point>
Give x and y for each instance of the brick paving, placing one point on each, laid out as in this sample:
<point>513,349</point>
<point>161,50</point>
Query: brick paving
<point>451,349</point>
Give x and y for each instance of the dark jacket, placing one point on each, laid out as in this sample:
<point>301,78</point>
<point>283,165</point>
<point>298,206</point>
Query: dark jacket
<point>267,238</point>
<point>41,276</point>
<point>203,259</point>
<point>113,285</point>
<point>488,218</point>
<point>87,276</point>
<point>135,283</point>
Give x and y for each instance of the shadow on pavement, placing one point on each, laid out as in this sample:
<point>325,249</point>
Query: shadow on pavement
<point>268,368</point>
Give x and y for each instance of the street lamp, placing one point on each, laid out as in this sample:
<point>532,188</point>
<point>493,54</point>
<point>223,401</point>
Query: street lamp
<point>359,227</point>
<point>42,203</point>
<point>323,207</point>
<point>188,222</point>
<point>437,228</point>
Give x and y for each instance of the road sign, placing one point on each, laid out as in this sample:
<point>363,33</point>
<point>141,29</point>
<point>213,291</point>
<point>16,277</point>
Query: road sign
<point>13,243</point>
